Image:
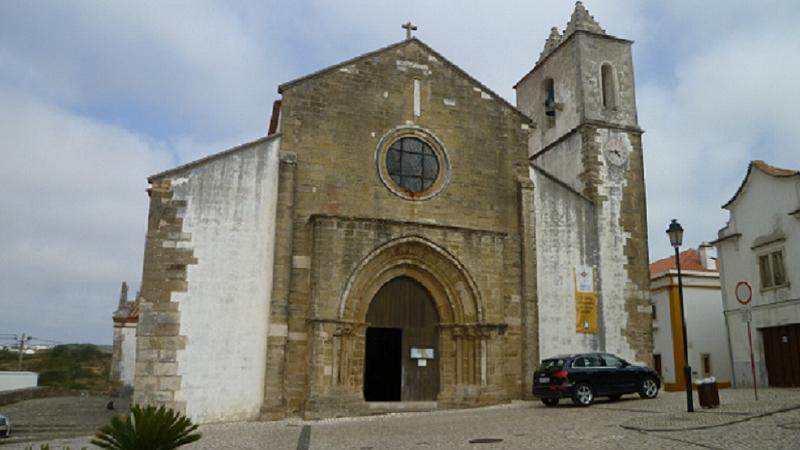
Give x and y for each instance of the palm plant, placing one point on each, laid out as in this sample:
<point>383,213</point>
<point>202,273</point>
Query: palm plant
<point>147,428</point>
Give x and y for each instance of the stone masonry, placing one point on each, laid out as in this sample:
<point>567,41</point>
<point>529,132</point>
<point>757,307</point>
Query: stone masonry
<point>261,262</point>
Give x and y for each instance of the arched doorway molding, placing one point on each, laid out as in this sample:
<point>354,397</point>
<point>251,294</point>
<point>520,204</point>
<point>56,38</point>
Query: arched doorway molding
<point>453,290</point>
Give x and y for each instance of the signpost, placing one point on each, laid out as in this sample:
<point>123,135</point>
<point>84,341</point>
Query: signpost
<point>744,294</point>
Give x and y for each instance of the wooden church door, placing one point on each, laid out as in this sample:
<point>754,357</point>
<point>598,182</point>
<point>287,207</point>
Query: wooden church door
<point>402,346</point>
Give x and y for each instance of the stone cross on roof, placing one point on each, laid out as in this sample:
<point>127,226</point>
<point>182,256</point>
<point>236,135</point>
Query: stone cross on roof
<point>409,28</point>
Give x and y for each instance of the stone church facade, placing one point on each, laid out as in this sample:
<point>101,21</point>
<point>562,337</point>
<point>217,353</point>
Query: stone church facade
<point>401,234</point>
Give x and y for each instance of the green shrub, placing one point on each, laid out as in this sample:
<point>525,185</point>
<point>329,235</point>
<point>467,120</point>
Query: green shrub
<point>147,428</point>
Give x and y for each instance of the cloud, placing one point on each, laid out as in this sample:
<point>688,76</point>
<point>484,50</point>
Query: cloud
<point>495,42</point>
<point>163,66</point>
<point>73,218</point>
<point>728,102</point>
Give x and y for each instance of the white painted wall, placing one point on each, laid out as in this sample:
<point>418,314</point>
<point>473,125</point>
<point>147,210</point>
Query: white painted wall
<point>565,162</point>
<point>10,381</point>
<point>564,238</point>
<point>705,330</point>
<point>611,247</point>
<point>761,210</point>
<point>571,231</point>
<point>127,362</point>
<point>705,324</point>
<point>662,335</point>
<point>230,214</point>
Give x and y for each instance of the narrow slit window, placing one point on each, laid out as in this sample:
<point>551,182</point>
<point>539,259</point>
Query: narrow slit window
<point>609,86</point>
<point>706,358</point>
<point>549,97</point>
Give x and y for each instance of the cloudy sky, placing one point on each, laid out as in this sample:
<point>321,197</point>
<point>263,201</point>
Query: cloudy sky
<point>97,95</point>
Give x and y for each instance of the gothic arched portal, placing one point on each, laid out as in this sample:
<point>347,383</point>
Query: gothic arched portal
<point>463,338</point>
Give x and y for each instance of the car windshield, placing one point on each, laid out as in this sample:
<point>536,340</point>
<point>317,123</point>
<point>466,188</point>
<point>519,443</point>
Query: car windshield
<point>551,364</point>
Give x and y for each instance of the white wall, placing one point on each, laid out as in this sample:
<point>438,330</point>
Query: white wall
<point>611,238</point>
<point>565,162</point>
<point>705,324</point>
<point>230,215</point>
<point>761,210</point>
<point>127,362</point>
<point>662,336</point>
<point>17,380</point>
<point>572,231</point>
<point>565,237</point>
<point>705,330</point>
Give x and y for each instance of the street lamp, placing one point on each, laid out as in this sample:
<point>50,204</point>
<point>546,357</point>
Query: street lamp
<point>675,232</point>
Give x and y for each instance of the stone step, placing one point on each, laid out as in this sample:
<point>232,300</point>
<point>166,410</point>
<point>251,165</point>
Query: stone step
<point>395,407</point>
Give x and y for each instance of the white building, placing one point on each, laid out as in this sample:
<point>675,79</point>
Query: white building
<point>709,354</point>
<point>760,246</point>
<point>11,380</point>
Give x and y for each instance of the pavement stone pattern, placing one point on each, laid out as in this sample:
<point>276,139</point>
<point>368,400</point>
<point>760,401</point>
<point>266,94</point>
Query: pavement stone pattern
<point>58,418</point>
<point>630,423</point>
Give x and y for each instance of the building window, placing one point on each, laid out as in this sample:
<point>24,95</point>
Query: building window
<point>609,86</point>
<point>613,361</point>
<point>773,272</point>
<point>412,164</point>
<point>705,360</point>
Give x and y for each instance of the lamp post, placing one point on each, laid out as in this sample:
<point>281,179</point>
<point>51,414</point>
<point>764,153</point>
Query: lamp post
<point>675,233</point>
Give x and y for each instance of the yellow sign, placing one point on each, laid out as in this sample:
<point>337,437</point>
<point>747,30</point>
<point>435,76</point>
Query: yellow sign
<point>585,301</point>
<point>585,313</point>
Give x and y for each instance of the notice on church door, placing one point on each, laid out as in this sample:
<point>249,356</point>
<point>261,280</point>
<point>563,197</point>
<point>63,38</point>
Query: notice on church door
<point>585,300</point>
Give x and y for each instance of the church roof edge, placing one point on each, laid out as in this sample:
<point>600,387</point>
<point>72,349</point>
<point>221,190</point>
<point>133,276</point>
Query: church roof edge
<point>773,171</point>
<point>289,84</point>
<point>296,81</point>
<point>560,182</point>
<point>211,157</point>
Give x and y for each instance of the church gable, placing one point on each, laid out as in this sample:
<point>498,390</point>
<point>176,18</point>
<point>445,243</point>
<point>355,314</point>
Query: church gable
<point>351,66</point>
<point>341,120</point>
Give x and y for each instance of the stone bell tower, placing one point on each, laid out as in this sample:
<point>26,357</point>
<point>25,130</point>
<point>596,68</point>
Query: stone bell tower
<point>586,159</point>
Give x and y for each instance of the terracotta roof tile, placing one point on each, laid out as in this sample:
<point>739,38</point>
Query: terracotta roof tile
<point>775,171</point>
<point>690,260</point>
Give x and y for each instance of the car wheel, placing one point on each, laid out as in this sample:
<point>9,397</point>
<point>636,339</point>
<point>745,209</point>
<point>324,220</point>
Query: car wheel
<point>583,396</point>
<point>550,401</point>
<point>649,388</point>
<point>614,397</point>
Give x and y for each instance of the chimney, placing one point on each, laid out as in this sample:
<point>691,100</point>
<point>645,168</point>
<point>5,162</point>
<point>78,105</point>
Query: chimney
<point>706,259</point>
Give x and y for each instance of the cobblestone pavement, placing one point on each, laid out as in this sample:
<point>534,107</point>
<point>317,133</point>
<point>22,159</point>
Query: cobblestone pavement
<point>631,423</point>
<point>60,417</point>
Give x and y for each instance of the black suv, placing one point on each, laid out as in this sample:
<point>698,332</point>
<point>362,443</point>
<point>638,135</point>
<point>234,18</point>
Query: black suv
<point>584,376</point>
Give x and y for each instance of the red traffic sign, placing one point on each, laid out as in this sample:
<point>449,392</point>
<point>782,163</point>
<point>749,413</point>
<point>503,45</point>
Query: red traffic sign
<point>744,292</point>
